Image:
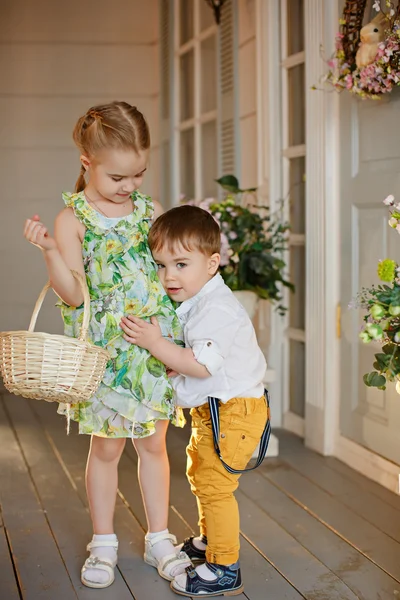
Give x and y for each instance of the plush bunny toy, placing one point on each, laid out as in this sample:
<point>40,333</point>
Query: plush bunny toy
<point>371,35</point>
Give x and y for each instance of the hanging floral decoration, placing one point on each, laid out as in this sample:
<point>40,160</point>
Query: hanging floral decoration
<point>366,61</point>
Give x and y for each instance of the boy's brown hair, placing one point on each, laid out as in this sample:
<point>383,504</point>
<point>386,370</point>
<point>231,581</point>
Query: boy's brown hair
<point>190,226</point>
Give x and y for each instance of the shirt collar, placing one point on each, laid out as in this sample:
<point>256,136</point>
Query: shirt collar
<point>208,288</point>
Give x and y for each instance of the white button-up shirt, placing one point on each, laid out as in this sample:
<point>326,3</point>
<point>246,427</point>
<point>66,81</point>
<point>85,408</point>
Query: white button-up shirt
<point>219,331</point>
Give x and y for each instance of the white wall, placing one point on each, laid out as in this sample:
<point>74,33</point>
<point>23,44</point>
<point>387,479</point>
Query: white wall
<point>57,59</point>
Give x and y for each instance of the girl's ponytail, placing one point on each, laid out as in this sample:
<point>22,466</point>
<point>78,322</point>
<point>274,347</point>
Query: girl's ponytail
<point>80,182</point>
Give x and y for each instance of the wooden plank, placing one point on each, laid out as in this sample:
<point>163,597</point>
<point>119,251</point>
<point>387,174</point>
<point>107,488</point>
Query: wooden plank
<point>306,574</point>
<point>368,505</point>
<point>304,571</point>
<point>41,571</point>
<point>363,482</point>
<point>142,579</point>
<point>362,576</point>
<point>67,516</point>
<point>8,584</point>
<point>377,546</point>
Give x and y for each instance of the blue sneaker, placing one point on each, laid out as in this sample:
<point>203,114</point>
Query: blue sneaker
<point>228,582</point>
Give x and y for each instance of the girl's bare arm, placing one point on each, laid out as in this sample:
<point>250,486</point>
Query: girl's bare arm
<point>61,253</point>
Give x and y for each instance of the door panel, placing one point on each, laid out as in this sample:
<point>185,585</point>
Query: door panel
<point>370,170</point>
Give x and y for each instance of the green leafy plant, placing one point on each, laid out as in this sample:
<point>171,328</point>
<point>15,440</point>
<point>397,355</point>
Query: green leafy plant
<point>382,318</point>
<point>253,242</point>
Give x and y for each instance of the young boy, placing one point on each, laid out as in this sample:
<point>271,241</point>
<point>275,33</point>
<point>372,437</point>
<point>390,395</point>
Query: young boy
<point>221,360</point>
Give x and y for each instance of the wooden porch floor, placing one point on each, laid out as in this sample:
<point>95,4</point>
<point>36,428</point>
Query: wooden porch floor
<point>311,527</point>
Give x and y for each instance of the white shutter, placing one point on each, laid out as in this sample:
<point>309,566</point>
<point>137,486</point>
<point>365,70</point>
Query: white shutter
<point>228,93</point>
<point>166,68</point>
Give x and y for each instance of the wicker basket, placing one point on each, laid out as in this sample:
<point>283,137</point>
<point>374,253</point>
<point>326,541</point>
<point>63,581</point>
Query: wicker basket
<point>49,367</point>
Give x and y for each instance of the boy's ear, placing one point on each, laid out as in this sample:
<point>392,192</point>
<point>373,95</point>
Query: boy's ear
<point>213,263</point>
<point>85,162</point>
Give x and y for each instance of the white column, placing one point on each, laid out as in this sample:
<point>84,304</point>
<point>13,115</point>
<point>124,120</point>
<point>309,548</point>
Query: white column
<point>315,228</point>
<point>322,239</point>
<point>268,180</point>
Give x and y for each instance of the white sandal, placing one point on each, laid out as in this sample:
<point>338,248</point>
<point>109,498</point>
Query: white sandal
<point>165,565</point>
<point>99,564</point>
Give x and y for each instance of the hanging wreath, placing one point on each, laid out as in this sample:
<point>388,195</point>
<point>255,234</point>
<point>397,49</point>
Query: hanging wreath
<point>366,61</point>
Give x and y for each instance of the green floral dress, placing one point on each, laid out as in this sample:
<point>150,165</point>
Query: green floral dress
<point>122,279</point>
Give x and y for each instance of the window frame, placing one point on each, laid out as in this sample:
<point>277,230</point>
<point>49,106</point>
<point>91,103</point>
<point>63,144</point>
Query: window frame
<point>199,118</point>
<point>291,420</point>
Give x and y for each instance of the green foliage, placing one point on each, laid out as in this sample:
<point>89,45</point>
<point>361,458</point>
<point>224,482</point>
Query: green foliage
<point>230,183</point>
<point>382,325</point>
<point>253,243</point>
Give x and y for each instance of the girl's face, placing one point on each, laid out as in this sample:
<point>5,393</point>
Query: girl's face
<point>114,174</point>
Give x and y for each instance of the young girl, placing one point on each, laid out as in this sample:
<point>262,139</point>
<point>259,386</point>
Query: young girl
<point>102,234</point>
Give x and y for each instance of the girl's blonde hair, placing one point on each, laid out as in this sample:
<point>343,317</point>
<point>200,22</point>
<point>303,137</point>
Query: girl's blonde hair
<point>114,125</point>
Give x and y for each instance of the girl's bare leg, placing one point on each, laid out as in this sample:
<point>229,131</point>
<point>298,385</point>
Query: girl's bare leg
<point>153,473</point>
<point>101,487</point>
<point>102,481</point>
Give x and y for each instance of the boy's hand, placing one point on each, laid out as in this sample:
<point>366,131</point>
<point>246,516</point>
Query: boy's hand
<point>171,372</point>
<point>139,332</point>
<point>37,234</point>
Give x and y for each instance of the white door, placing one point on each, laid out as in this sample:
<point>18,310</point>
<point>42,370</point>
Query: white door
<point>369,171</point>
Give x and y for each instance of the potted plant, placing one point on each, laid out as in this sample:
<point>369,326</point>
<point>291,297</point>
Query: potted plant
<point>252,245</point>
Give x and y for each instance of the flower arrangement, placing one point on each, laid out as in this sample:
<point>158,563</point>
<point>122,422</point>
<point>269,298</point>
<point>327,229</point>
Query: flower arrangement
<point>382,320</point>
<point>382,74</point>
<point>252,242</point>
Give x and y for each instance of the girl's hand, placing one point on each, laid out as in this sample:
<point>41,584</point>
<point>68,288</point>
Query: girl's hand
<point>37,234</point>
<point>139,332</point>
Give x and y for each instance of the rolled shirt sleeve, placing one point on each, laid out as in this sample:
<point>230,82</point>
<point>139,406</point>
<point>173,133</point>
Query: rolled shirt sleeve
<point>211,336</point>
<point>206,354</point>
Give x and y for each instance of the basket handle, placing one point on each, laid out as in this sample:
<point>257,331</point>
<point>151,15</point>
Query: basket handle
<point>86,306</point>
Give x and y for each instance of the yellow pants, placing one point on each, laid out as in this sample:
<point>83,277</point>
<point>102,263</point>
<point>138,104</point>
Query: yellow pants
<point>242,421</point>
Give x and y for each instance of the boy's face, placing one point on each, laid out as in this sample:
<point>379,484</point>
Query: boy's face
<point>184,272</point>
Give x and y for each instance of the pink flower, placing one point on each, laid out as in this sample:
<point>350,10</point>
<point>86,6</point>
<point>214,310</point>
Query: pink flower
<point>389,200</point>
<point>224,250</point>
<point>205,204</point>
